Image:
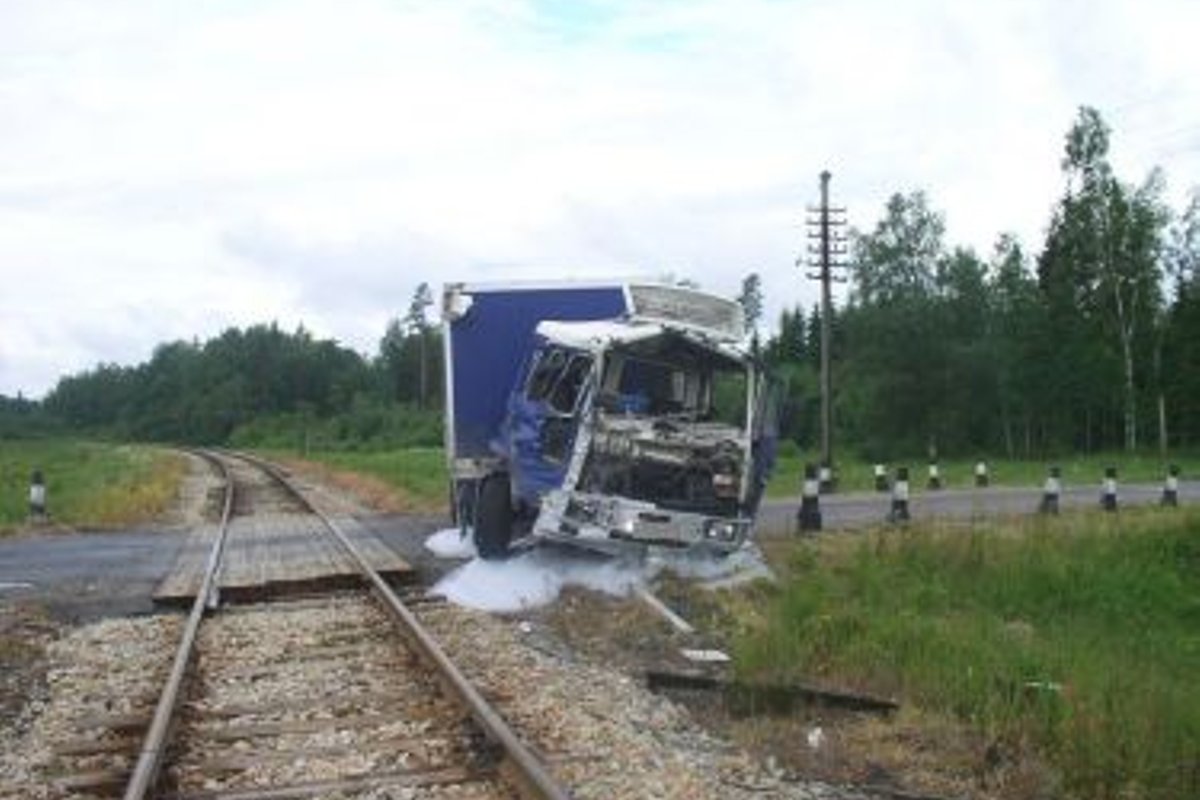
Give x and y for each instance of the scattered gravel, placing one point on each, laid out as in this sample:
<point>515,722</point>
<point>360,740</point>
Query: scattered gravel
<point>605,734</point>
<point>26,631</point>
<point>332,664</point>
<point>100,670</point>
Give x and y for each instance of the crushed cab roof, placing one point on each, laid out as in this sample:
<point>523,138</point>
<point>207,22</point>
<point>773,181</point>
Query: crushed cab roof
<point>599,335</point>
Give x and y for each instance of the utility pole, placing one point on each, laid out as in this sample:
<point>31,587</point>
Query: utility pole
<point>825,255</point>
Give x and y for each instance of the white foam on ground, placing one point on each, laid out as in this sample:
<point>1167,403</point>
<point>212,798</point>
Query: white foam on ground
<point>537,576</point>
<point>534,578</point>
<point>451,543</point>
<point>742,566</point>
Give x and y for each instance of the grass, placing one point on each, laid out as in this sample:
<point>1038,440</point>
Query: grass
<point>1077,470</point>
<point>417,475</point>
<point>1080,636</point>
<point>88,484</point>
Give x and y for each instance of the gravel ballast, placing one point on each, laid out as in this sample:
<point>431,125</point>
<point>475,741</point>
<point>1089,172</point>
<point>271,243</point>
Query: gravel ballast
<point>603,734</point>
<point>101,670</point>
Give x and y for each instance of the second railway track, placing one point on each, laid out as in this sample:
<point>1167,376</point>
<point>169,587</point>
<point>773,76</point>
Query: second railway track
<point>341,695</point>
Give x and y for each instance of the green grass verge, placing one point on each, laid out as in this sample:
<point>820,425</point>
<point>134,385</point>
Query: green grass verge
<point>960,474</point>
<point>88,484</point>
<point>418,472</point>
<point>1080,635</point>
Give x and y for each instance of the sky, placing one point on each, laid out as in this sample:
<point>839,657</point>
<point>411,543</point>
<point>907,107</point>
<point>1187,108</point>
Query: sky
<point>170,169</point>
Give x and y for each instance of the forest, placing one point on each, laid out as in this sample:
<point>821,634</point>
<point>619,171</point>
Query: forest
<point>1091,343</point>
<point>1088,342</point>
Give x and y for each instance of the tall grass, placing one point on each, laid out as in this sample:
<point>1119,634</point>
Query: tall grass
<point>365,426</point>
<point>1081,635</point>
<point>419,471</point>
<point>87,483</point>
<point>418,474</point>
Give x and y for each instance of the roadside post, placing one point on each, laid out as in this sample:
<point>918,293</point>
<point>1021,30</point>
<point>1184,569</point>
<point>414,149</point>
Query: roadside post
<point>809,516</point>
<point>981,475</point>
<point>881,480</point>
<point>899,512</point>
<point>1051,490</point>
<point>1170,495</point>
<point>37,496</point>
<point>1108,497</point>
<point>826,478</point>
<point>935,477</point>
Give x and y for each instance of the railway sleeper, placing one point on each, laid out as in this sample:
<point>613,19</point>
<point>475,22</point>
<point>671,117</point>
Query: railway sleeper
<point>402,779</point>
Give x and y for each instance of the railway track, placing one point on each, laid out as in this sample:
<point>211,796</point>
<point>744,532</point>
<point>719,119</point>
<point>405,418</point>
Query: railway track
<point>342,695</point>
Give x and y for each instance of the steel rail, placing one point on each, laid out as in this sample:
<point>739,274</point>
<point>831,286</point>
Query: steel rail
<point>154,746</point>
<point>525,769</point>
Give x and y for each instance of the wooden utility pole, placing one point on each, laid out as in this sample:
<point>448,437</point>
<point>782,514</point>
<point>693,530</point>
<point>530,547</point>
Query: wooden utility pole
<point>825,255</point>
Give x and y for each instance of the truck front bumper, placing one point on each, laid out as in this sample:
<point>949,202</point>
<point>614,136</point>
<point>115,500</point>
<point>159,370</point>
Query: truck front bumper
<point>614,524</point>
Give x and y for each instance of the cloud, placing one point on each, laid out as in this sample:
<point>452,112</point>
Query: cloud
<point>166,170</point>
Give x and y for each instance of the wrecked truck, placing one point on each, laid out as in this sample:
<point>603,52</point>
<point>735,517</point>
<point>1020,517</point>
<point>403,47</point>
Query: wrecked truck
<point>614,417</point>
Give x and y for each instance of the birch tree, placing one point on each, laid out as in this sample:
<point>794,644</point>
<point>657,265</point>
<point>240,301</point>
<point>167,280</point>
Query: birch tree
<point>1103,252</point>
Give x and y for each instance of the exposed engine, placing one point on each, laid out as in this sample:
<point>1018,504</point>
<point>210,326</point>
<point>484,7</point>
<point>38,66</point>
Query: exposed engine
<point>673,462</point>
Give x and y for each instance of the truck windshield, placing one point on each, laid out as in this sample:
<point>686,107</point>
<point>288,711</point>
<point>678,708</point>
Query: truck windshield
<point>647,386</point>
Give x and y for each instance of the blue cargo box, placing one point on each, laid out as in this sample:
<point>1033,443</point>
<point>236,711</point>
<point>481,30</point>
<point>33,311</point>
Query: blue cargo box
<point>489,334</point>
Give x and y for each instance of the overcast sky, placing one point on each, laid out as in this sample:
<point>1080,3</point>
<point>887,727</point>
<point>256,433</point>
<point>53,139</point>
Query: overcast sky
<point>170,169</point>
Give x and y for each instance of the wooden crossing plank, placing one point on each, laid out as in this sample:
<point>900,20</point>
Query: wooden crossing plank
<point>277,553</point>
<point>183,580</point>
<point>234,569</point>
<point>378,554</point>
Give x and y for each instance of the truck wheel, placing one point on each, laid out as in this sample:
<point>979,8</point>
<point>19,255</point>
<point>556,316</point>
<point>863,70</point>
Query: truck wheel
<point>493,518</point>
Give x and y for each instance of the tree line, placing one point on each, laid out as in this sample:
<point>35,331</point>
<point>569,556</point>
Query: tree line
<point>1092,343</point>
<point>268,387</point>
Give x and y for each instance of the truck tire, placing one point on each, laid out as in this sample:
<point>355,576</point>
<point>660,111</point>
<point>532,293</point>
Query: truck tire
<point>493,518</point>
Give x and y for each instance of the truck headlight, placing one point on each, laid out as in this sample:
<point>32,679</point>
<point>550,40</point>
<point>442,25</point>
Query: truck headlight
<point>724,484</point>
<point>724,530</point>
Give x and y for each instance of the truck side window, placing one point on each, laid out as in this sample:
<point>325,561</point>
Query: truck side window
<point>545,373</point>
<point>566,392</point>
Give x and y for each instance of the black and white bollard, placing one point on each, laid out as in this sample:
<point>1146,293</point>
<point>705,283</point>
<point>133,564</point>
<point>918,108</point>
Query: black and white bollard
<point>826,478</point>
<point>809,515</point>
<point>981,475</point>
<point>935,477</point>
<point>1051,490</point>
<point>1170,495</point>
<point>881,480</point>
<point>1108,495</point>
<point>899,512</point>
<point>37,496</point>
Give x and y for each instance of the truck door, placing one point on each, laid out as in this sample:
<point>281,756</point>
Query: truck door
<point>544,419</point>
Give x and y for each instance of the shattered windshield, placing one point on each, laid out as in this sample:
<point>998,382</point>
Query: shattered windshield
<point>674,379</point>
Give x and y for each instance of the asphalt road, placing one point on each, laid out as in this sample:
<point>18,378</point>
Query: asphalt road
<point>860,509</point>
<point>80,577</point>
<point>85,576</point>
